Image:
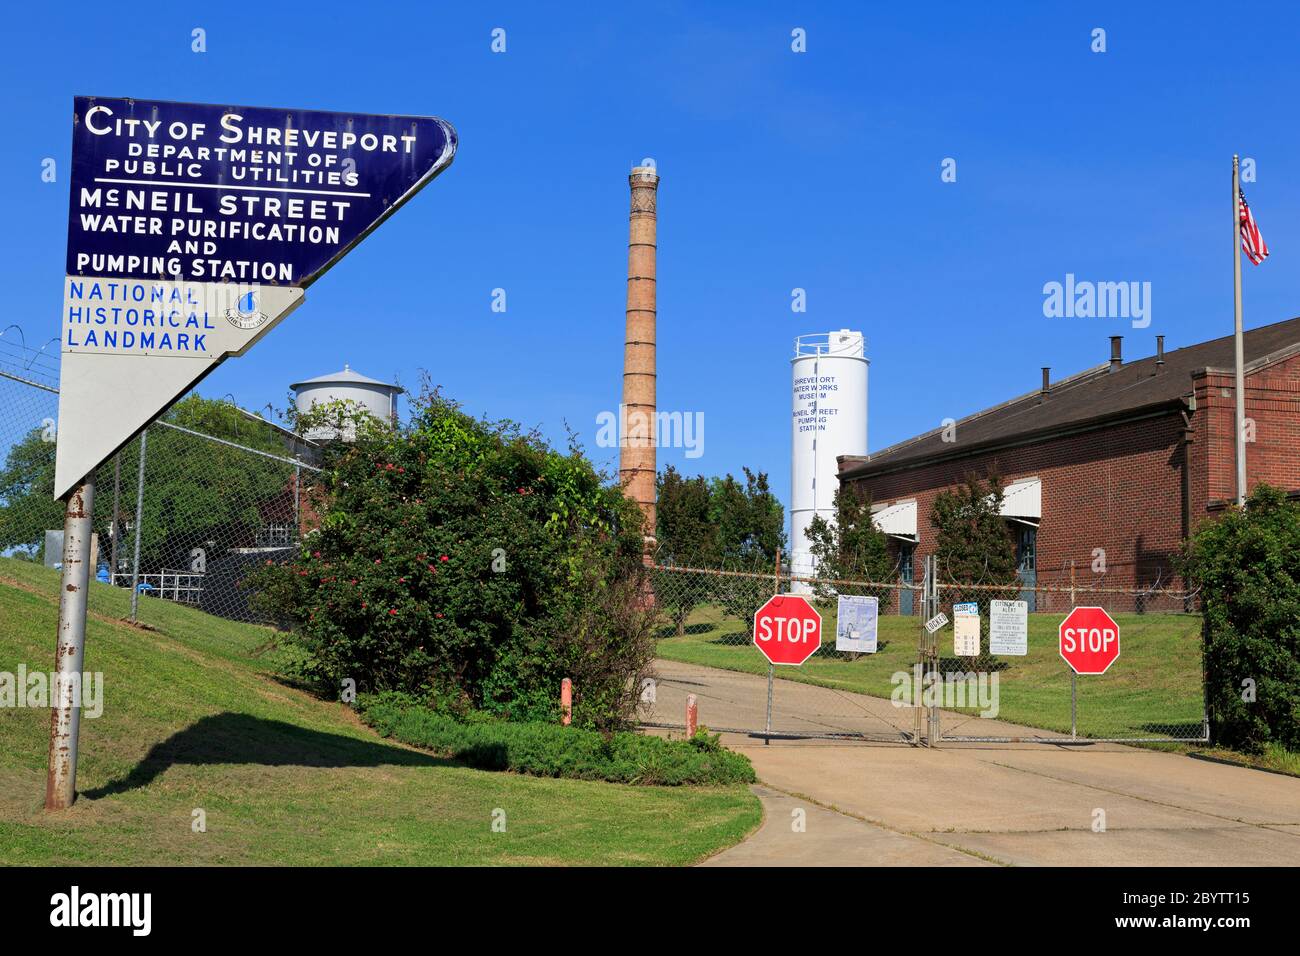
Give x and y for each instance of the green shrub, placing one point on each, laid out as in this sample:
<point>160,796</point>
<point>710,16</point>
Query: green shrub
<point>1247,565</point>
<point>465,562</point>
<point>552,750</point>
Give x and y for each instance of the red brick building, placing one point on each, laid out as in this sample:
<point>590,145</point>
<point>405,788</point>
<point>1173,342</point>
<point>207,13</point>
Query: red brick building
<point>1126,457</point>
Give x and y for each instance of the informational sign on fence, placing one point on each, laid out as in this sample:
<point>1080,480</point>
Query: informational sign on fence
<point>1009,628</point>
<point>54,549</point>
<point>966,629</point>
<point>856,623</point>
<point>193,229</point>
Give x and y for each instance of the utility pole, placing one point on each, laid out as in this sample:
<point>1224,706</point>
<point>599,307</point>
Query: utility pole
<point>139,523</point>
<point>117,524</point>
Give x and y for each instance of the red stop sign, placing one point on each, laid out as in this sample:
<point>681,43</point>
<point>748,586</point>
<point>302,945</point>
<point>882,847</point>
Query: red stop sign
<point>1089,640</point>
<point>787,629</point>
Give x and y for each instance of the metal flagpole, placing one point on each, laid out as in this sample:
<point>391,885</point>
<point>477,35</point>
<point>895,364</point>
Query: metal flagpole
<point>1238,345</point>
<point>65,714</point>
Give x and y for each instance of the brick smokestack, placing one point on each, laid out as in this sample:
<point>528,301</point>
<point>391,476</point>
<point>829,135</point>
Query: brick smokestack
<point>637,443</point>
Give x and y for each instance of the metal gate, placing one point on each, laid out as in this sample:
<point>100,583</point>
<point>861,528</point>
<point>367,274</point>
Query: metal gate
<point>915,690</point>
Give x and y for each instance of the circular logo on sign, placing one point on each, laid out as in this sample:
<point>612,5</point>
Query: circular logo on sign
<point>246,315</point>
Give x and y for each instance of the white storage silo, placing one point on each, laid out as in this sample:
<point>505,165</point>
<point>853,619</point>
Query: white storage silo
<point>829,402</point>
<point>376,397</point>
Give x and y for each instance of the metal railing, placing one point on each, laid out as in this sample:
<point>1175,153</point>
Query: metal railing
<point>183,586</point>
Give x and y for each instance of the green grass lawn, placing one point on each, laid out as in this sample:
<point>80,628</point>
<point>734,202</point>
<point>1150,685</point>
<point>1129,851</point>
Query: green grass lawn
<point>1274,758</point>
<point>195,719</point>
<point>1154,689</point>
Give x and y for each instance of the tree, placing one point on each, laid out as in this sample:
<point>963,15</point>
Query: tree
<point>974,546</point>
<point>197,493</point>
<point>850,548</point>
<point>750,523</point>
<point>470,564</point>
<point>1247,566</point>
<point>27,504</point>
<point>687,537</point>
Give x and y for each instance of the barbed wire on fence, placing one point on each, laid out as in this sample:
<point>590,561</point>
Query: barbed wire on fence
<point>863,582</point>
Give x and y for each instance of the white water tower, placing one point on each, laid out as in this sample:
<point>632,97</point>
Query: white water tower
<point>829,401</point>
<point>376,397</point>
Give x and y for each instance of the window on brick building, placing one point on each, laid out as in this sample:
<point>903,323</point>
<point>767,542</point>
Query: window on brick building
<point>1026,549</point>
<point>906,574</point>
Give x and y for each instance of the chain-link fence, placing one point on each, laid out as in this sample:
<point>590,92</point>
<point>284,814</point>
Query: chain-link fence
<point>915,686</point>
<point>182,513</point>
<point>706,647</point>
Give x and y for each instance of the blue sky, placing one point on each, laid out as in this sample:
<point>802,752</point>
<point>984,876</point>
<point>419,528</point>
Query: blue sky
<point>779,170</point>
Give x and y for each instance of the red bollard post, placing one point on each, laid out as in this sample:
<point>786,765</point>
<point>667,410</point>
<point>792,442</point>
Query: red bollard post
<point>566,701</point>
<point>692,715</point>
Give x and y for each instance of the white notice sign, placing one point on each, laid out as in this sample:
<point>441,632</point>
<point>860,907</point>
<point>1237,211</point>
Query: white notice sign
<point>855,625</point>
<point>1009,628</point>
<point>966,630</point>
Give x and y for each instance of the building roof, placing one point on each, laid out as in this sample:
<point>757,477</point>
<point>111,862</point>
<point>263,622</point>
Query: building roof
<point>1097,394</point>
<point>345,377</point>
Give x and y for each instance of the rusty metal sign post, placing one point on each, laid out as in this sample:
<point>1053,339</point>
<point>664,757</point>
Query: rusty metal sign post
<point>65,712</point>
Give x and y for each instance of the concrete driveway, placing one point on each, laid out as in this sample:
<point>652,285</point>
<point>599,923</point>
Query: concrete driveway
<point>1027,804</point>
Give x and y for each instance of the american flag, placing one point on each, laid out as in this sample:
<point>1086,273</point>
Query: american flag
<point>1252,243</point>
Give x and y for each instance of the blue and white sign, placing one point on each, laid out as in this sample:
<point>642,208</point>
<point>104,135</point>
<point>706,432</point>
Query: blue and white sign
<point>192,192</point>
<point>856,623</point>
<point>193,229</point>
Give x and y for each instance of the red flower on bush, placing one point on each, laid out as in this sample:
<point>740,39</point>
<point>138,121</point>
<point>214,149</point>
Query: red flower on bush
<point>392,610</point>
<point>444,558</point>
